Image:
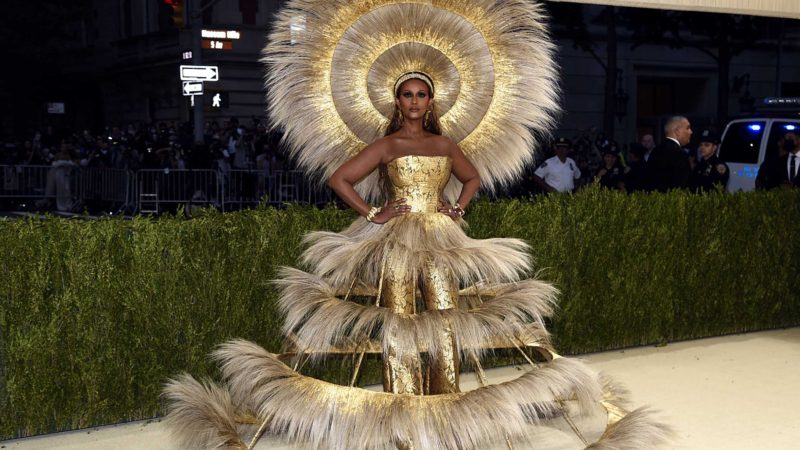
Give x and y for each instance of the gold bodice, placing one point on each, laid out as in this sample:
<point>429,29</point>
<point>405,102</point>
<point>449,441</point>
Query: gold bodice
<point>420,180</point>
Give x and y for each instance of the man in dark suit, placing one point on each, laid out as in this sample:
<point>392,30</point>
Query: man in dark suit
<point>668,166</point>
<point>781,170</point>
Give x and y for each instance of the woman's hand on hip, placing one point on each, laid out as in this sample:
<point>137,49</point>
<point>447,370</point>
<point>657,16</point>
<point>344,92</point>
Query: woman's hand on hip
<point>450,211</point>
<point>390,210</point>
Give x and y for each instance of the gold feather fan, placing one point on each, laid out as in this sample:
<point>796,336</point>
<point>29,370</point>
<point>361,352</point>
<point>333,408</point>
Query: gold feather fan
<point>332,64</point>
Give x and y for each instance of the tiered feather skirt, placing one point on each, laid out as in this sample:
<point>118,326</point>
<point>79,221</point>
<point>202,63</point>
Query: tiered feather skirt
<point>435,298</point>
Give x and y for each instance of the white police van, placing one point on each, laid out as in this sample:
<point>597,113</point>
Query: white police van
<point>748,142</point>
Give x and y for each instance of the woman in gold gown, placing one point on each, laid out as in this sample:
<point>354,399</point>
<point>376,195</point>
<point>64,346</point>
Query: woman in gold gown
<point>499,85</point>
<point>413,248</point>
<point>417,162</point>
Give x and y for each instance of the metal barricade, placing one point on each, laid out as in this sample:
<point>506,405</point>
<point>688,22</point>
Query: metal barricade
<point>108,189</point>
<point>294,186</point>
<point>249,188</point>
<point>158,190</point>
<point>58,183</point>
<point>243,188</point>
<point>285,187</point>
<point>65,186</point>
<point>311,192</point>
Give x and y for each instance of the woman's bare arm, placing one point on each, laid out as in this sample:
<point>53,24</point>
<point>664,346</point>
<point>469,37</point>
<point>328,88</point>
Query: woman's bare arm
<point>466,173</point>
<point>354,170</point>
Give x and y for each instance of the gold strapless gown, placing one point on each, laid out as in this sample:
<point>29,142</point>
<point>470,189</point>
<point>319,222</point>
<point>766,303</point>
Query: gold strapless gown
<point>474,297</point>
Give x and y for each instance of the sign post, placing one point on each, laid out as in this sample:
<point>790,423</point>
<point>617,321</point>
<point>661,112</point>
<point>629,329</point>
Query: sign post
<point>197,60</point>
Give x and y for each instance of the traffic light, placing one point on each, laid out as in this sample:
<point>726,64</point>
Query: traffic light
<point>177,12</point>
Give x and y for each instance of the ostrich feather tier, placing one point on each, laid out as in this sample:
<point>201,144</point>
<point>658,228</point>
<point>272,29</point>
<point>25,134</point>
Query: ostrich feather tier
<point>258,387</point>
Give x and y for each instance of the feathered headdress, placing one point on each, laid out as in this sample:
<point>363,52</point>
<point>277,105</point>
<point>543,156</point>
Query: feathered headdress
<point>332,65</point>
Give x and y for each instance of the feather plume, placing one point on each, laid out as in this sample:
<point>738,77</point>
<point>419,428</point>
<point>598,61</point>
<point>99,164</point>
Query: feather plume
<point>358,252</point>
<point>322,415</point>
<point>322,322</point>
<point>328,416</point>
<point>639,430</point>
<point>201,415</point>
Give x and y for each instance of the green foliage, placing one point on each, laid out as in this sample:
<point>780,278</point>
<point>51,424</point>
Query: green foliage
<point>96,315</point>
<point>652,268</point>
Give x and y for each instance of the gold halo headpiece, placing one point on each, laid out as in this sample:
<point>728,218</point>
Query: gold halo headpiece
<point>414,75</point>
<point>332,66</point>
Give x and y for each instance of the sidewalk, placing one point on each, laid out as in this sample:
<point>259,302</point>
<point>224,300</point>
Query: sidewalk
<point>739,392</point>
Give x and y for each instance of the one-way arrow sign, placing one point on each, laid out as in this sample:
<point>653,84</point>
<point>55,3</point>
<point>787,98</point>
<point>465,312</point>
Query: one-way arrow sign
<point>199,73</point>
<point>192,88</point>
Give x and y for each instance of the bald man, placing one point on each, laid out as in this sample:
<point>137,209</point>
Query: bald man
<point>668,166</point>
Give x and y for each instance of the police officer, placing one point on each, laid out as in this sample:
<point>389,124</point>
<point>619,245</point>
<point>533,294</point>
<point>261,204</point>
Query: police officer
<point>611,174</point>
<point>558,174</point>
<point>710,171</point>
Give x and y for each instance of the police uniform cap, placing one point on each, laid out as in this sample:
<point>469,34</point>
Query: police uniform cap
<point>609,148</point>
<point>563,142</point>
<point>709,136</point>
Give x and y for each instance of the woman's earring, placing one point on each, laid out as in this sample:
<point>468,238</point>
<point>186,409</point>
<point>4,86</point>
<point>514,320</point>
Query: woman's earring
<point>426,120</point>
<point>400,117</point>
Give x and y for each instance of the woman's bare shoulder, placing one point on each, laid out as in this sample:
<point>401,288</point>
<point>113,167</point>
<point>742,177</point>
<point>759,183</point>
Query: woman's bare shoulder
<point>440,139</point>
<point>445,145</point>
<point>382,147</point>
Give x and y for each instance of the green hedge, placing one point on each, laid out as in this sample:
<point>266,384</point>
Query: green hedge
<point>95,315</point>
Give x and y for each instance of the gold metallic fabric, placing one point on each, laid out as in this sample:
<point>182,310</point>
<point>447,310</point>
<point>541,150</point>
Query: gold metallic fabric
<point>402,370</point>
<point>441,292</point>
<point>420,180</point>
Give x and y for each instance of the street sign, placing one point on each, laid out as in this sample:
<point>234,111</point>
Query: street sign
<point>192,88</point>
<point>220,34</point>
<point>199,73</point>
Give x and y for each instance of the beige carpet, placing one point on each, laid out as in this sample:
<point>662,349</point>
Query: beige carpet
<point>738,392</point>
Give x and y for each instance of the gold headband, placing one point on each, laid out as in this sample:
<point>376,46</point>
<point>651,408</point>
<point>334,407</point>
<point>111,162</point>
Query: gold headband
<point>413,76</point>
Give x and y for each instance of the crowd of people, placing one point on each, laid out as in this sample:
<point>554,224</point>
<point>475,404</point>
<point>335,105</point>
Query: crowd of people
<point>563,166</point>
<point>230,145</point>
<point>645,166</point>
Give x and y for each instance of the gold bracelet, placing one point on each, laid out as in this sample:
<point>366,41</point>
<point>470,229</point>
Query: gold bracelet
<point>458,210</point>
<point>372,213</point>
